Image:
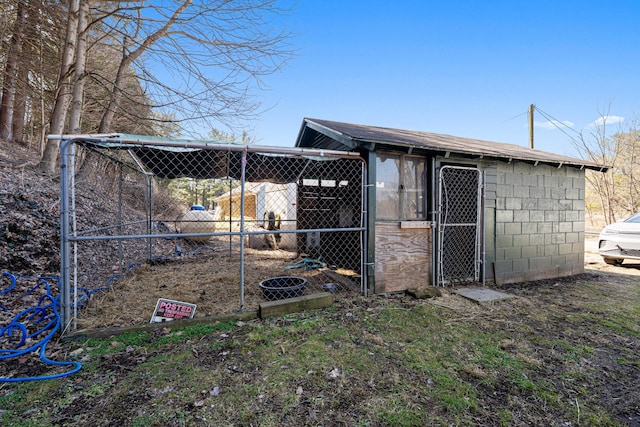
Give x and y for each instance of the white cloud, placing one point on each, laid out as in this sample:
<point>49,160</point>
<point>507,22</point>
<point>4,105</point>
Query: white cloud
<point>609,120</point>
<point>553,124</point>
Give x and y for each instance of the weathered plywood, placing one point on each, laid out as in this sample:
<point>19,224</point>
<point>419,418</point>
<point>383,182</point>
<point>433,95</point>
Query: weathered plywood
<point>403,257</point>
<point>294,305</point>
<point>415,224</point>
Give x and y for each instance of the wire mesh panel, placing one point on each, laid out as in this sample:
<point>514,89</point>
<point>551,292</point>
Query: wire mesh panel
<point>459,225</point>
<point>215,225</point>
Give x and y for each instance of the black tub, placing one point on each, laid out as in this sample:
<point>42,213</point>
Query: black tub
<point>283,287</point>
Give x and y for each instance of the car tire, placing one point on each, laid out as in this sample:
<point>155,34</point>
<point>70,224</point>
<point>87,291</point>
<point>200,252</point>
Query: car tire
<point>613,261</point>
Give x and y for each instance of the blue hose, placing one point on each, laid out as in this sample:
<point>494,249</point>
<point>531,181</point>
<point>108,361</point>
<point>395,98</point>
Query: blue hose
<point>45,321</point>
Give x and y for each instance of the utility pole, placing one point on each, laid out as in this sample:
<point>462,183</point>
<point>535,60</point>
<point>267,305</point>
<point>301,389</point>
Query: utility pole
<point>531,108</point>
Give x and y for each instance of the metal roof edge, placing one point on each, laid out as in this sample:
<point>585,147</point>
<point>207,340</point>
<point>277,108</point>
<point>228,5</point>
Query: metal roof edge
<point>344,139</point>
<point>170,144</point>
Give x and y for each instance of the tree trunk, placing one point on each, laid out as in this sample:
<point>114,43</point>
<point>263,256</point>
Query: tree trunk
<point>63,96</point>
<point>10,73</point>
<point>19,108</point>
<point>75,115</point>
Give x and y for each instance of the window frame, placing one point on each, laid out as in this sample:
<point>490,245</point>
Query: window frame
<point>419,170</point>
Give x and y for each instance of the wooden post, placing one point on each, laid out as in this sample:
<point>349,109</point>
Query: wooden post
<point>531,108</point>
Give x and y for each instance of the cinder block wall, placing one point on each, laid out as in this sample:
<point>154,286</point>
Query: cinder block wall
<point>538,220</point>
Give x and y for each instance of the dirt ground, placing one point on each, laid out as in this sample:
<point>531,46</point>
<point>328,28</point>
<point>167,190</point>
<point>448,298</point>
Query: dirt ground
<point>541,318</point>
<point>211,280</point>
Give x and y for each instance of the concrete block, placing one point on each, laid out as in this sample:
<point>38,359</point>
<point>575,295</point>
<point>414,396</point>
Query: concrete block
<point>514,203</point>
<point>575,172</point>
<point>547,204</point>
<point>572,216</point>
<point>512,253</point>
<point>578,247</point>
<point>504,266</point>
<point>565,182</point>
<point>558,193</point>
<point>575,259</point>
<point>578,205</point>
<point>536,216</point>
<point>572,237</point>
<point>504,216</point>
<point>565,205</point>
<point>505,190</point>
<point>551,181</point>
<point>565,227</point>
<point>490,176</point>
<point>529,227</point>
<point>520,265</point>
<point>530,204</point>
<point>544,227</point>
<point>504,241</point>
<point>551,216</point>
<point>572,193</point>
<point>537,192</point>
<point>550,250</point>
<point>529,252</point>
<point>536,239</point>
<point>539,263</point>
<point>513,228</point>
<point>521,191</point>
<point>530,180</point>
<point>514,178</point>
<point>520,240</point>
<point>565,248</point>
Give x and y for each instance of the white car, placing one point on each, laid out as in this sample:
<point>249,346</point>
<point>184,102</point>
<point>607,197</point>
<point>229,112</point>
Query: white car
<point>620,241</point>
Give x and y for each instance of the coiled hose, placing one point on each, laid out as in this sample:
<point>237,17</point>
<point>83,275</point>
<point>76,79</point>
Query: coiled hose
<point>40,323</point>
<point>35,324</point>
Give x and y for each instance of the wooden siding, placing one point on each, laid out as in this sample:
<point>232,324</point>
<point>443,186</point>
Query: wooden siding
<point>403,257</point>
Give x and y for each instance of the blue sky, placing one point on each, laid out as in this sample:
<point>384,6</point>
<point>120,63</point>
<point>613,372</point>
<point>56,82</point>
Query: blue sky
<point>461,67</point>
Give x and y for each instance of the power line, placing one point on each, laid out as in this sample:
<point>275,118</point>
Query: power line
<point>515,117</point>
<point>555,122</point>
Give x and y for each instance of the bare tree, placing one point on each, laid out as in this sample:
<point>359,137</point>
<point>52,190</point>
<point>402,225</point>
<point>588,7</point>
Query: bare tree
<point>617,190</point>
<point>64,89</point>
<point>202,60</point>
<point>197,61</point>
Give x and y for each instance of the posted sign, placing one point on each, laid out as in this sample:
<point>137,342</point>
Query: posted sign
<point>167,310</point>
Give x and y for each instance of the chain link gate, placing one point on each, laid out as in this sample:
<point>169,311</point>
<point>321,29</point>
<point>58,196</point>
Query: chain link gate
<point>221,220</point>
<point>459,225</point>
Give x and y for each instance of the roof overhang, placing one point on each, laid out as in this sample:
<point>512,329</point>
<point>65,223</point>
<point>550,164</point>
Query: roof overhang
<point>317,133</point>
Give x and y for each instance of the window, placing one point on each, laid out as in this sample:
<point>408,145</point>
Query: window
<point>400,187</point>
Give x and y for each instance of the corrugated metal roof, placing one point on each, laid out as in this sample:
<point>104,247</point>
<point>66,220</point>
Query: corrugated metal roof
<point>327,134</point>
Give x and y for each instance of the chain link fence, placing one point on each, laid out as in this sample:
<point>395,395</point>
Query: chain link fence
<point>223,226</point>
<point>459,225</point>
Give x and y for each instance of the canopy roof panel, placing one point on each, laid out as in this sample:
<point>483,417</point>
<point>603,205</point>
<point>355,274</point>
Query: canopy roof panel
<point>200,159</point>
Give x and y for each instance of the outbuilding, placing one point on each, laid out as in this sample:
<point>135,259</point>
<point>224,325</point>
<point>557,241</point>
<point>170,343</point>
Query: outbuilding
<point>443,209</point>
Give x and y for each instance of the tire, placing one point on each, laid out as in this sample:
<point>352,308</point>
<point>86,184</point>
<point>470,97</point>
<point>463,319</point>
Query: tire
<point>613,261</point>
